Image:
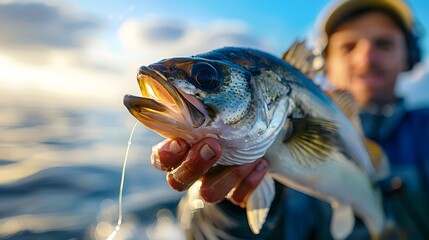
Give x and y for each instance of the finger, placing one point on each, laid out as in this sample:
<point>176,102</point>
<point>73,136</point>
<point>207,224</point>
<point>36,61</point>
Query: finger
<point>216,185</point>
<point>199,159</point>
<point>168,154</point>
<point>248,185</point>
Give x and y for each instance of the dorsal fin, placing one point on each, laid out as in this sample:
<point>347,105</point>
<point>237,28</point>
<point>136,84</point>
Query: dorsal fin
<point>348,105</point>
<point>303,59</point>
<point>345,101</point>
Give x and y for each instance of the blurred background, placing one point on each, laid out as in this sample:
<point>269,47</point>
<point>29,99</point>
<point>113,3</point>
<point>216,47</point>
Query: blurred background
<point>64,68</point>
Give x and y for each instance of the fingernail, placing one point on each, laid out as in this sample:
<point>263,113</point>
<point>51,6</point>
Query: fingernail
<point>260,167</point>
<point>206,152</point>
<point>175,147</point>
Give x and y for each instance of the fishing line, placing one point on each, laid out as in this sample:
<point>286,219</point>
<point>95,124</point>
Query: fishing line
<point>121,188</point>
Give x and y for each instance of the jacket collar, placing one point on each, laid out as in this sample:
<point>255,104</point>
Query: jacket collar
<point>379,122</point>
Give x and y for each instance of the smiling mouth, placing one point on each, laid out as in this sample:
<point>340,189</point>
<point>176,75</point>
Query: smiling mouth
<point>162,106</point>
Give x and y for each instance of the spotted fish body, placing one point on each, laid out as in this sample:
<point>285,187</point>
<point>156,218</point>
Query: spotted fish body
<point>258,105</point>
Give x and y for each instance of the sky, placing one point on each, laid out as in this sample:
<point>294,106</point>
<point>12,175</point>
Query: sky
<point>81,49</point>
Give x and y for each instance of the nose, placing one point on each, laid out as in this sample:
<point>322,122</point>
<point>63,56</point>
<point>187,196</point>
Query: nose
<point>365,54</point>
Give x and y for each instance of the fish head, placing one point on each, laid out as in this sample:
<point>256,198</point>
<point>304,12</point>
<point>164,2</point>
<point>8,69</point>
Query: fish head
<point>193,97</point>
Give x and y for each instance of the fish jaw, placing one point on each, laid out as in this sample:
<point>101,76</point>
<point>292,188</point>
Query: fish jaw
<point>165,109</point>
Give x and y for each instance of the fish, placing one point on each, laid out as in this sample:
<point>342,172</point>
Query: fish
<point>259,105</point>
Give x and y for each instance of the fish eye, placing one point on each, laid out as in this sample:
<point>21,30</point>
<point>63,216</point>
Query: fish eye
<point>205,76</point>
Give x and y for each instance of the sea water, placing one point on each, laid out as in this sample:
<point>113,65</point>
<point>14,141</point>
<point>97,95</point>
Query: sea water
<point>60,173</point>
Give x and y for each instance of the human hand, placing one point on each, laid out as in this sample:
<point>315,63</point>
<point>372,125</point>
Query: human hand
<point>185,164</point>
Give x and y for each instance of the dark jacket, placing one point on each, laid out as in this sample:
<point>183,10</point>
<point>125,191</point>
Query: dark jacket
<point>404,135</point>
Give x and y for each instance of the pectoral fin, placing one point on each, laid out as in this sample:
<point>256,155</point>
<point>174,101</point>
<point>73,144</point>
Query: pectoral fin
<point>259,203</point>
<point>342,221</point>
<point>312,139</point>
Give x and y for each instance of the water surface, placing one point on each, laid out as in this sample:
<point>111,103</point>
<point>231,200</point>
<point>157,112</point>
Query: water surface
<point>60,169</point>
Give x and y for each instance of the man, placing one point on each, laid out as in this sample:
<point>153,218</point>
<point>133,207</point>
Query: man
<point>366,44</point>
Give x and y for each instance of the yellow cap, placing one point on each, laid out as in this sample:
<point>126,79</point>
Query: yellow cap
<point>336,10</point>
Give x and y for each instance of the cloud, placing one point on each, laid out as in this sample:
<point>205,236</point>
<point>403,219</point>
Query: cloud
<point>164,33</point>
<point>153,37</point>
<point>87,65</point>
<point>415,84</point>
<point>33,31</point>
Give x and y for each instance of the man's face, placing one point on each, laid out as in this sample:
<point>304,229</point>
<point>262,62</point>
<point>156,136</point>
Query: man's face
<point>365,56</point>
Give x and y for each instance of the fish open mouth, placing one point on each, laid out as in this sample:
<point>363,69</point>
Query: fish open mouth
<point>163,107</point>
